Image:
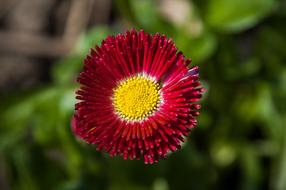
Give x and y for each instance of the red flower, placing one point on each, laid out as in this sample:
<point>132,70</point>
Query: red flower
<point>137,97</point>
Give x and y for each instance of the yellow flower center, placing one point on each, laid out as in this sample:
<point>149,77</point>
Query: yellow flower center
<point>136,98</point>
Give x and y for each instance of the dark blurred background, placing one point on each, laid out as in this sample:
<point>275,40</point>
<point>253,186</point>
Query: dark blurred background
<point>240,46</point>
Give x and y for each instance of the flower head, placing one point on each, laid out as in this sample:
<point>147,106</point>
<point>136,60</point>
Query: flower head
<point>137,97</point>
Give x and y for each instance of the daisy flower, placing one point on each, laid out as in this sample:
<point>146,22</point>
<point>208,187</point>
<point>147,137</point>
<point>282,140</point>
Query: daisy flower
<point>137,97</point>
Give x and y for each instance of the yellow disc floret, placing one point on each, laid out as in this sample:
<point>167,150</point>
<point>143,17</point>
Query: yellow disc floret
<point>136,98</point>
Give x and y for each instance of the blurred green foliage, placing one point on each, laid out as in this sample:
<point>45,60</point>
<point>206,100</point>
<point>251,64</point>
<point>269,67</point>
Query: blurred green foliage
<point>240,143</point>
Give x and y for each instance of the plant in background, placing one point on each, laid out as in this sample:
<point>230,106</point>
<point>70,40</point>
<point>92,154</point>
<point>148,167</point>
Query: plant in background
<point>240,141</point>
<point>137,97</point>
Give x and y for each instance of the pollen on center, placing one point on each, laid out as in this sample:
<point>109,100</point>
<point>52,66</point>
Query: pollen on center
<point>136,98</point>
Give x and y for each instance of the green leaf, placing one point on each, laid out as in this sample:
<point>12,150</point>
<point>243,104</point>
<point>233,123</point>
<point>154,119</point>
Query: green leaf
<point>145,12</point>
<point>234,16</point>
<point>89,40</point>
<point>147,16</point>
<point>199,48</point>
<point>65,71</point>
